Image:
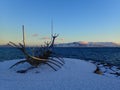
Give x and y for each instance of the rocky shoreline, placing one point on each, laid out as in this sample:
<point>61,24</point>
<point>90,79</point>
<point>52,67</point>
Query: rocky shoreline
<point>106,69</point>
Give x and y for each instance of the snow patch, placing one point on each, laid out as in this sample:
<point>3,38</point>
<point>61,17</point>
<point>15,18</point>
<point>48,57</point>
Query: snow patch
<point>74,75</point>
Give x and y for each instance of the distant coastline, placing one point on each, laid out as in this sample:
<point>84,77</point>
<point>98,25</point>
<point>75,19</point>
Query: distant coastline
<point>88,44</point>
<point>56,46</point>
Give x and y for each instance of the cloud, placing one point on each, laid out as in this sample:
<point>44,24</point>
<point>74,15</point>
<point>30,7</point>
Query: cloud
<point>45,38</point>
<point>48,38</point>
<point>60,39</point>
<point>35,35</point>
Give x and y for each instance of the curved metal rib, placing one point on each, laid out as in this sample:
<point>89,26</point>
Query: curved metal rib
<point>54,64</point>
<point>56,61</point>
<point>62,60</point>
<point>18,63</point>
<point>51,66</point>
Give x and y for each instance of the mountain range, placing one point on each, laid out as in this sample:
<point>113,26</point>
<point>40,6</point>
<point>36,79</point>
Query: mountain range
<point>83,44</point>
<point>88,44</point>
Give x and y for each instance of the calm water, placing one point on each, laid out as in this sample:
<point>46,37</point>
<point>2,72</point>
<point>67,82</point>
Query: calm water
<point>109,55</point>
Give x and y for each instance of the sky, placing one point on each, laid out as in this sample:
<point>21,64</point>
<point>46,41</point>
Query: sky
<point>73,20</point>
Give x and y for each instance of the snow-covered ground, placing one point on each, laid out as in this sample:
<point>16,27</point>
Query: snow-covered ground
<point>74,75</point>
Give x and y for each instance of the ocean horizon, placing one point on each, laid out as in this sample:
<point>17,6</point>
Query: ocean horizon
<point>109,55</point>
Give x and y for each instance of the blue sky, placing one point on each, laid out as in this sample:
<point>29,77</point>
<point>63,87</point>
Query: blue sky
<point>74,20</point>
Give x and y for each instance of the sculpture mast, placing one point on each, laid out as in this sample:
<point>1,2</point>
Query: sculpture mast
<point>23,35</point>
<point>51,29</point>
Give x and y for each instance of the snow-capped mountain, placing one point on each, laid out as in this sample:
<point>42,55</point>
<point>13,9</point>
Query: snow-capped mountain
<point>88,44</point>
